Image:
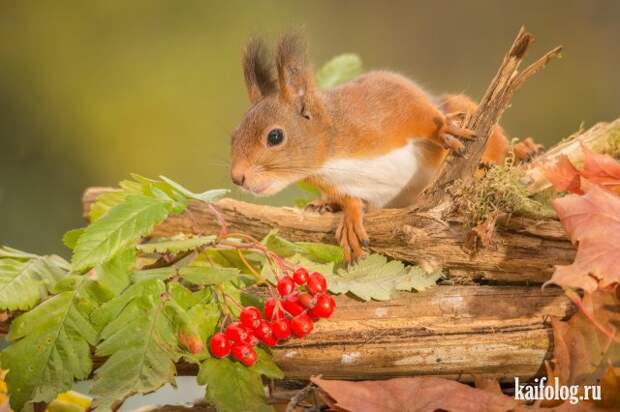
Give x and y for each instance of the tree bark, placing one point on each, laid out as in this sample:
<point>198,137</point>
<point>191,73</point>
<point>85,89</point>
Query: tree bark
<point>524,250</point>
<point>448,331</point>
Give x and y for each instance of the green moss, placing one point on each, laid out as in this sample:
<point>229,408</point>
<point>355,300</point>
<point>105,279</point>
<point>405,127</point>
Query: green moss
<point>500,189</point>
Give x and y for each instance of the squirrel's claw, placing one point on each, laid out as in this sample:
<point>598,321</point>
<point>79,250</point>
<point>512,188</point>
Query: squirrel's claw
<point>352,236</point>
<point>321,206</point>
<point>527,150</point>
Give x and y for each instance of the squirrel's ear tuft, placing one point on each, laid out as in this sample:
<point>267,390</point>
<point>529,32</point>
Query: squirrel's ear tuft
<point>294,74</point>
<point>258,70</point>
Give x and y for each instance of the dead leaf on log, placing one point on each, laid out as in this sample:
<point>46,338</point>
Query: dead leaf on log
<point>592,221</point>
<point>418,394</point>
<point>599,169</point>
<point>583,353</point>
<point>564,176</point>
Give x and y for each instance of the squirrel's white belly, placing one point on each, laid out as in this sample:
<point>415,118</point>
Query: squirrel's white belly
<point>377,179</point>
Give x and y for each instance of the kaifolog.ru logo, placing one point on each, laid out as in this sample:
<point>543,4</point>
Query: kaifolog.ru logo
<point>539,390</point>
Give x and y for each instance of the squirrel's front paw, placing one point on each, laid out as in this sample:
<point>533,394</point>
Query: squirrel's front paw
<point>352,236</point>
<point>322,206</point>
<point>449,134</point>
<point>527,150</point>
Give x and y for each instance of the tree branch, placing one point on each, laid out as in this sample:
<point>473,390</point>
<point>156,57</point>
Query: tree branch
<point>492,106</point>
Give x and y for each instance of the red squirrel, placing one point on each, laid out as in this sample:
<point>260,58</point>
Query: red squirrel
<point>377,140</point>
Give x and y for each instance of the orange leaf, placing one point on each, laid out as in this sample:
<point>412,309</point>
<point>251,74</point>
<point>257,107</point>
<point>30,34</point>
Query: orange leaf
<point>563,176</point>
<point>419,394</point>
<point>592,221</point>
<point>601,169</point>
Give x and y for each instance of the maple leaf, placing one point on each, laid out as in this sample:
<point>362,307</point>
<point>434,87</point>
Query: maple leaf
<point>413,395</point>
<point>592,221</point>
<point>601,169</point>
<point>583,351</point>
<point>564,176</point>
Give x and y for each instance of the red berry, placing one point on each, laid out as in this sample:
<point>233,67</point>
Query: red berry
<point>292,305</point>
<point>219,345</point>
<point>305,300</point>
<point>244,354</point>
<point>324,306</point>
<point>301,325</point>
<point>286,284</point>
<point>269,307</point>
<point>263,330</point>
<point>237,333</point>
<point>316,283</point>
<point>250,317</point>
<point>300,276</point>
<point>281,329</point>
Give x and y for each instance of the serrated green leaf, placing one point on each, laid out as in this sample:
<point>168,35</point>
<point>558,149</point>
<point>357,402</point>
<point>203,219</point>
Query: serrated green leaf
<point>338,70</point>
<point>176,244</point>
<point>71,237</point>
<point>265,365</point>
<point>141,348</point>
<point>119,228</point>
<point>232,387</point>
<point>114,275</point>
<point>50,347</point>
<point>374,277</point>
<point>317,252</point>
<point>321,252</point>
<point>162,273</point>
<point>208,196</point>
<point>208,275</point>
<point>105,202</point>
<point>25,278</point>
<point>111,309</point>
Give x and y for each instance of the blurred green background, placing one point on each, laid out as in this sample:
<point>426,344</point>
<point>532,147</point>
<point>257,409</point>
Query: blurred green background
<point>93,90</point>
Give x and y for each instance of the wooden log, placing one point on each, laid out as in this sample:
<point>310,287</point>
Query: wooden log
<point>449,331</point>
<point>524,250</point>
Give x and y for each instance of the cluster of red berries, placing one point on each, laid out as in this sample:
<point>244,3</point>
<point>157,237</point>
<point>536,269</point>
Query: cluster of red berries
<point>302,299</point>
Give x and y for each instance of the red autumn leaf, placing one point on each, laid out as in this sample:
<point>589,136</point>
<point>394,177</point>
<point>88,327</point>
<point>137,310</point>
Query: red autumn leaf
<point>563,176</point>
<point>601,169</point>
<point>592,221</point>
<point>192,343</point>
<point>418,394</point>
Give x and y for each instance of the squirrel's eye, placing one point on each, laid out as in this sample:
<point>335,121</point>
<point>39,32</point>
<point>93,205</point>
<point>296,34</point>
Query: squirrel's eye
<point>275,137</point>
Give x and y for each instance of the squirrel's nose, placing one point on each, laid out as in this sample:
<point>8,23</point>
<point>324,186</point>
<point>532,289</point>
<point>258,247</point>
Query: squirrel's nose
<point>238,177</point>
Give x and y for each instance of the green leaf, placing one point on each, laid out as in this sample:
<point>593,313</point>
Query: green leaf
<point>208,196</point>
<point>265,365</point>
<point>232,387</point>
<point>105,202</point>
<point>322,252</point>
<point>375,278</point>
<point>208,275</point>
<point>176,244</point>
<point>339,70</point>
<point>119,228</point>
<point>26,279</point>
<point>114,275</point>
<point>141,348</point>
<point>71,237</point>
<point>50,347</point>
<point>162,273</point>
